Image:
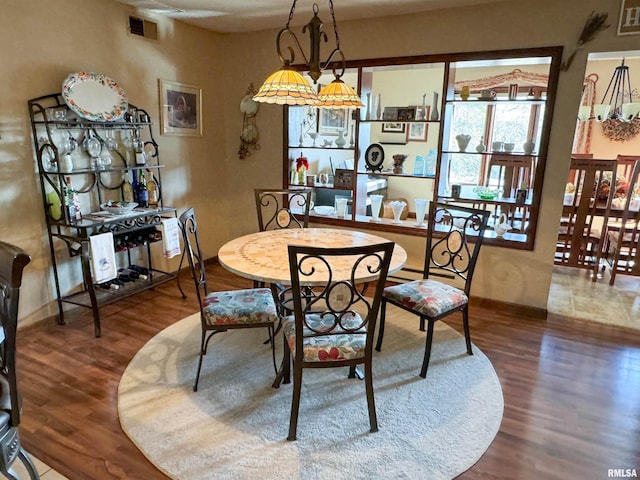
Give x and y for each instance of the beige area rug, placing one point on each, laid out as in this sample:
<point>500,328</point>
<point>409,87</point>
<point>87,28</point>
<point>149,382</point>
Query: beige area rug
<point>235,426</point>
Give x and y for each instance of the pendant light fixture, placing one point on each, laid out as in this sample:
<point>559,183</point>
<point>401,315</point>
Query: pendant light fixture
<point>289,87</point>
<point>620,105</point>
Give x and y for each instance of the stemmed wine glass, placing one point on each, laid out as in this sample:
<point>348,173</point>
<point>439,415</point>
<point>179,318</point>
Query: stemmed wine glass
<point>71,144</point>
<point>110,140</point>
<point>93,146</point>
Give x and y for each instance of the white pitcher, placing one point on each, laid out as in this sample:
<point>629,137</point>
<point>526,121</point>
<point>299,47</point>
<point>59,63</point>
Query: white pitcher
<point>501,226</point>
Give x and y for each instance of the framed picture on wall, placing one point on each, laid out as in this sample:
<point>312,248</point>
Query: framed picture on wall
<point>332,121</point>
<point>393,127</point>
<point>417,132</point>
<point>180,108</point>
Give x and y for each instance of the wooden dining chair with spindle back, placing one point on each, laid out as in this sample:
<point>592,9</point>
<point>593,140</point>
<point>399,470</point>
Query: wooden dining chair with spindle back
<point>624,240</point>
<point>586,211</point>
<point>513,172</point>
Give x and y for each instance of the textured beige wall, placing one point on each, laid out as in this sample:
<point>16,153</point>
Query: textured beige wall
<point>41,41</point>
<point>507,275</point>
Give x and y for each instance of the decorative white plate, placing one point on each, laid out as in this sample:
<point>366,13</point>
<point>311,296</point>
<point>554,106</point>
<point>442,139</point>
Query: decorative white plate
<point>323,210</point>
<point>118,208</point>
<point>94,96</point>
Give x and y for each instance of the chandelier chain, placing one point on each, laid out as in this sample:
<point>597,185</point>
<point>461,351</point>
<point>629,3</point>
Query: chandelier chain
<point>335,26</point>
<point>293,8</point>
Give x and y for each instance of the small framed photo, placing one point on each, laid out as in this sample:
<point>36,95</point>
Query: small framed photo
<point>407,113</point>
<point>393,127</point>
<point>390,113</point>
<point>180,109</point>
<point>343,179</point>
<point>332,120</point>
<point>417,132</point>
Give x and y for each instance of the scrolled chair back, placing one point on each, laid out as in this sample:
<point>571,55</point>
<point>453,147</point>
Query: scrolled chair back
<point>337,306</point>
<point>189,227</point>
<point>277,209</point>
<point>453,246</point>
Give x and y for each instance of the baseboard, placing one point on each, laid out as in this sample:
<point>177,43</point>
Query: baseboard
<point>511,308</point>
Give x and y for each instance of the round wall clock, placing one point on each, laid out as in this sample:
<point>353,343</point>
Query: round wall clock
<point>374,157</point>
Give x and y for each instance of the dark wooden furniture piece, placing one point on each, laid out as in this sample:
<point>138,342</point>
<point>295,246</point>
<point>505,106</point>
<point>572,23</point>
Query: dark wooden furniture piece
<point>225,310</point>
<point>514,172</point>
<point>582,231</point>
<point>12,263</point>
<point>623,241</point>
<point>335,327</point>
<point>454,237</point>
<point>444,74</point>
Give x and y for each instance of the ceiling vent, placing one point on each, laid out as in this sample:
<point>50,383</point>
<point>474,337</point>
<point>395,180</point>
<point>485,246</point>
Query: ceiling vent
<point>143,28</point>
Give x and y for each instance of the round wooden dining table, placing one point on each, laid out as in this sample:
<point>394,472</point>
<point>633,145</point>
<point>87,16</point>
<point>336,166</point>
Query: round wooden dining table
<point>263,256</point>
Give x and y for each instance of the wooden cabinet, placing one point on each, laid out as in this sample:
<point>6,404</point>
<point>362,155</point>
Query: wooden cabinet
<point>58,136</point>
<point>415,107</point>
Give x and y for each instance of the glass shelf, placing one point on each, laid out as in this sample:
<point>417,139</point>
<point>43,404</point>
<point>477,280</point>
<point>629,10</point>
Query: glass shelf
<point>489,152</point>
<point>318,147</point>
<point>391,174</point>
<point>471,101</point>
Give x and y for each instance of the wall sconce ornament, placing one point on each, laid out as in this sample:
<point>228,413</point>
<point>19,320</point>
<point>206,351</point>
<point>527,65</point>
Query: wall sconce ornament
<point>249,132</point>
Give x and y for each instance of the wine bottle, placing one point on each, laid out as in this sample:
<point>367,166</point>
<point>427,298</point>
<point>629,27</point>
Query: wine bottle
<point>123,277</point>
<point>110,285</point>
<point>142,193</point>
<point>152,188</point>
<point>72,202</point>
<point>142,271</point>
<point>127,188</point>
<point>141,158</point>
<point>133,275</point>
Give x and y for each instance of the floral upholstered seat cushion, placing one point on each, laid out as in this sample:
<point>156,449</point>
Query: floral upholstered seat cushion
<point>426,297</point>
<point>327,348</point>
<point>240,306</point>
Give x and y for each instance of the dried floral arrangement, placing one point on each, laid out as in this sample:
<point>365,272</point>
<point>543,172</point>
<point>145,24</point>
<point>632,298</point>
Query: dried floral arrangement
<point>620,131</point>
<point>594,24</point>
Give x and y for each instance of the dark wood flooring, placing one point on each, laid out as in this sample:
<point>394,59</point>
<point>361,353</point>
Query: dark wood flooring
<point>571,390</point>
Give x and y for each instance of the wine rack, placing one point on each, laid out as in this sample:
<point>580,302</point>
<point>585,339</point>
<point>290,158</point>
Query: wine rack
<point>95,181</point>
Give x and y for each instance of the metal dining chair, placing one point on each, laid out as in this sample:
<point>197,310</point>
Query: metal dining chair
<point>327,331</point>
<point>226,310</point>
<point>454,237</point>
<point>12,262</point>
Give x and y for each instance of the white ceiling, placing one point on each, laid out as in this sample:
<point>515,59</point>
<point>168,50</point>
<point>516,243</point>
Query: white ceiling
<point>252,15</point>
